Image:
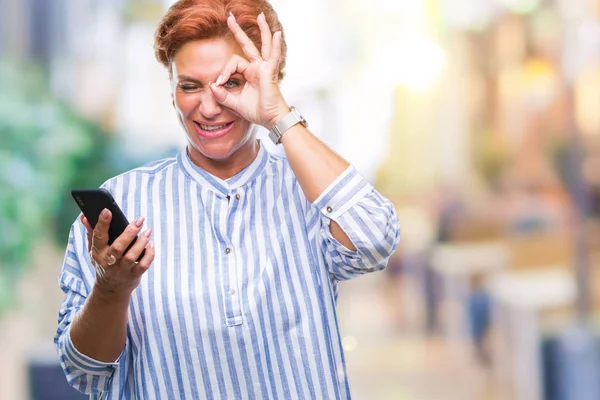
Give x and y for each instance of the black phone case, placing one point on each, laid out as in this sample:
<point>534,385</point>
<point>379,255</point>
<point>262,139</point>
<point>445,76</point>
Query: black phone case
<point>91,202</point>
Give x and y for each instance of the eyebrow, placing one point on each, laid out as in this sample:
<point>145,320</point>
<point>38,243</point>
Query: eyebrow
<point>188,78</point>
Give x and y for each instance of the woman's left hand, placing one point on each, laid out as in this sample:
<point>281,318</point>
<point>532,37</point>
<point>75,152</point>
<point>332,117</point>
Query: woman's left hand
<point>259,101</point>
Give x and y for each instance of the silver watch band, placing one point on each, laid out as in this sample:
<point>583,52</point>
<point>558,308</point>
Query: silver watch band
<point>292,118</point>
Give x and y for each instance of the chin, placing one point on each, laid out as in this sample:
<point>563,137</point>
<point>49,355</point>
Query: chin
<point>223,148</point>
<point>216,151</point>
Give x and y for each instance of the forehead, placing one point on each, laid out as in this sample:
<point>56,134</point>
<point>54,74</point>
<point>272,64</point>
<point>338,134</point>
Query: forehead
<point>205,58</point>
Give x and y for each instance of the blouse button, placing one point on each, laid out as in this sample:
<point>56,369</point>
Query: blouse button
<point>227,250</point>
<point>329,209</point>
<point>237,196</point>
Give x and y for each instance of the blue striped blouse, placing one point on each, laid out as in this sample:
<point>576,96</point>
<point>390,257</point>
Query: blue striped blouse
<point>240,300</point>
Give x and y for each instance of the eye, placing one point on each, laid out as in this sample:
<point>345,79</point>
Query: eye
<point>232,83</point>
<point>188,88</point>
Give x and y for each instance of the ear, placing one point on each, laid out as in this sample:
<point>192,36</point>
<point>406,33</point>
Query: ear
<point>172,85</point>
<point>172,92</point>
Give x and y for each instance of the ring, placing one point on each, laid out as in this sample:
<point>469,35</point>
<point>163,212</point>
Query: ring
<point>110,259</point>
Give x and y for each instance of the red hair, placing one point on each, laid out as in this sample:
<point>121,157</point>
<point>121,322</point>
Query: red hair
<point>189,20</point>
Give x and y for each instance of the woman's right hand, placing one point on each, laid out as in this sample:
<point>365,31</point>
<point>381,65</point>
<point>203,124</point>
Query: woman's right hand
<point>117,273</point>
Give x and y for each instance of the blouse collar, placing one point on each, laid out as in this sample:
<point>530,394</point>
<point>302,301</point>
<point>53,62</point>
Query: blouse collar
<point>218,185</point>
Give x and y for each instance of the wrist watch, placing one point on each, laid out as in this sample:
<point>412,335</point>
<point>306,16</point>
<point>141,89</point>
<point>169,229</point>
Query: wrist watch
<point>292,118</point>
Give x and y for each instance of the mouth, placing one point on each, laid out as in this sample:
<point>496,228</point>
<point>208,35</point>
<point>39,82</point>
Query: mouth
<point>213,131</point>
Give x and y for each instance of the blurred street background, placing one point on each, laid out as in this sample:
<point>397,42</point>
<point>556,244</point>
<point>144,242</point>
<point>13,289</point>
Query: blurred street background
<point>479,119</point>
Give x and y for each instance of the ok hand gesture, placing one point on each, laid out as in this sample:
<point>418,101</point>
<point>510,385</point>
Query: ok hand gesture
<point>260,101</point>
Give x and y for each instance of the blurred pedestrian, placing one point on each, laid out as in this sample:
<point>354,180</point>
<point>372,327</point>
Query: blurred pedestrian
<point>479,313</point>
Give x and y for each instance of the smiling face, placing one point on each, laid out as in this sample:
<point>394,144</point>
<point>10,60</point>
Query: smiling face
<point>220,141</point>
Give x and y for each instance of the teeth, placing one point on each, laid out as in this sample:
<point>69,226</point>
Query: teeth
<point>212,128</point>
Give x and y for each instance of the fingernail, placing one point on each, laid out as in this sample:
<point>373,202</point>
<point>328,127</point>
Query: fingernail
<point>139,222</point>
<point>219,79</point>
<point>151,244</point>
<point>148,232</point>
<point>104,213</point>
<point>262,14</point>
<point>231,14</point>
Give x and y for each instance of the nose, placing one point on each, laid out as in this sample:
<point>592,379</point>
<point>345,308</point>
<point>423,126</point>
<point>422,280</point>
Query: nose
<point>209,107</point>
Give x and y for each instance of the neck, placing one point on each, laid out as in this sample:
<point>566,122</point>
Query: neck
<point>225,169</point>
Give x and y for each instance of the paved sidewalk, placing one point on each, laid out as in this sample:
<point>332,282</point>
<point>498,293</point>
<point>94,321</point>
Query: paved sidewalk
<point>391,359</point>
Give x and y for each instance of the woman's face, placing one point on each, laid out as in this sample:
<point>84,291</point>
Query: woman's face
<point>215,132</point>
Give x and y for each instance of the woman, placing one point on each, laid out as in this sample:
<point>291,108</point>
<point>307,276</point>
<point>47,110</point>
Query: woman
<point>236,299</point>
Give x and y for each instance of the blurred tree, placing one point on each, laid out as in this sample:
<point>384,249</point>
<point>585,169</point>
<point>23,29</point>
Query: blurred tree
<point>46,149</point>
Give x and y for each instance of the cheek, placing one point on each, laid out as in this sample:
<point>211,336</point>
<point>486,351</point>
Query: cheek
<point>184,105</point>
<point>244,127</point>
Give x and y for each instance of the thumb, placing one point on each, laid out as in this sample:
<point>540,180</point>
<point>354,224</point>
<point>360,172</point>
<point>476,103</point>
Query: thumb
<point>223,96</point>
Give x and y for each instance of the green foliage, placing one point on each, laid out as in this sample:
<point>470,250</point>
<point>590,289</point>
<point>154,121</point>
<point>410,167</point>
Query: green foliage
<point>45,149</point>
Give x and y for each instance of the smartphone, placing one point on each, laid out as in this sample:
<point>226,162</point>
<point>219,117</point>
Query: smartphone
<point>92,202</point>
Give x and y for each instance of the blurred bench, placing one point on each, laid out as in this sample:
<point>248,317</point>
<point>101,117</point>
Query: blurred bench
<point>521,299</point>
<point>540,250</point>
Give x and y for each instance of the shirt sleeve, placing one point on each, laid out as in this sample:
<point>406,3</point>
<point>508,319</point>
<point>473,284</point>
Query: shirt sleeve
<point>83,373</point>
<point>367,218</point>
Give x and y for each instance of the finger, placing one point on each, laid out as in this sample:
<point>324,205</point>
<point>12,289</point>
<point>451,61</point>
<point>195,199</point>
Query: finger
<point>224,97</point>
<point>86,223</point>
<point>235,64</point>
<point>244,41</point>
<point>265,36</point>
<point>134,252</point>
<point>100,232</point>
<point>146,261</point>
<point>124,240</point>
<point>88,229</point>
<point>275,58</point>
